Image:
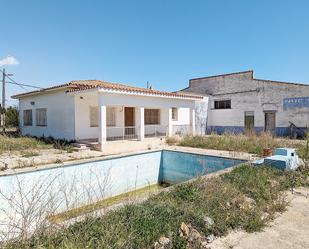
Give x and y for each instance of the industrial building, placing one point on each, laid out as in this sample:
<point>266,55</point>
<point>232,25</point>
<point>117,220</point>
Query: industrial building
<point>239,103</point>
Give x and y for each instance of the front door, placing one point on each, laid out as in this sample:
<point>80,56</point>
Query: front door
<point>270,122</point>
<point>129,120</point>
<point>249,122</point>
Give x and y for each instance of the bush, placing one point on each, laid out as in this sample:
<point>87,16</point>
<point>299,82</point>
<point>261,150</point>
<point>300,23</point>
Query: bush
<point>172,140</point>
<point>11,117</point>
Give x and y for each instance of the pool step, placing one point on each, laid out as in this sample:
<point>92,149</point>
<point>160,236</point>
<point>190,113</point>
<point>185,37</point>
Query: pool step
<point>84,145</point>
<point>80,146</point>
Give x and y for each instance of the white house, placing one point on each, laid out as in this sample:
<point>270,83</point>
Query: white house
<point>104,111</point>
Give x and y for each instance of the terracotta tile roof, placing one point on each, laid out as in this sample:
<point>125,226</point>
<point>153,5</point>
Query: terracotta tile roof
<point>81,85</point>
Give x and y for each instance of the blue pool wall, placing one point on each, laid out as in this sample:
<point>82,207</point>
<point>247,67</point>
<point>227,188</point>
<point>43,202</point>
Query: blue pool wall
<point>79,184</point>
<point>177,167</point>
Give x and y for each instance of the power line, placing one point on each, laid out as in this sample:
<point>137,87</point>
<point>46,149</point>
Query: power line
<point>19,84</point>
<point>22,85</point>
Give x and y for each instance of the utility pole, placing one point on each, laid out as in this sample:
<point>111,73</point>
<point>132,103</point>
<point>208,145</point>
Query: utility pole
<point>3,110</point>
<point>3,102</point>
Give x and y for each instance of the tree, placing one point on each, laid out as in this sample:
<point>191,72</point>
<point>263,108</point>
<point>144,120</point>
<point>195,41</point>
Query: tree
<point>11,117</point>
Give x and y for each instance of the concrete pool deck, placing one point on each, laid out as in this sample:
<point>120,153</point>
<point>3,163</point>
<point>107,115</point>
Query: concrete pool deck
<point>103,156</point>
<point>38,157</point>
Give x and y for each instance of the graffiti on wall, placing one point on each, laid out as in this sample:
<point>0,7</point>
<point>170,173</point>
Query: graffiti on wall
<point>299,102</point>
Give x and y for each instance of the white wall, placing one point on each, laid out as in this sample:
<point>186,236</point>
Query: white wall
<point>60,115</point>
<point>68,115</point>
<point>183,117</point>
<point>82,116</point>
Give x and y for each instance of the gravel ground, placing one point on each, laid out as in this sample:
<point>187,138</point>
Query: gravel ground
<point>289,230</point>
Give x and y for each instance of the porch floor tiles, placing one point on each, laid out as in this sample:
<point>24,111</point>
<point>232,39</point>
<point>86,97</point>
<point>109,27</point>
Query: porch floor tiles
<point>125,146</point>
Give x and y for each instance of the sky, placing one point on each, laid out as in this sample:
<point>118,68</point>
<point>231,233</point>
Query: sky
<point>164,42</point>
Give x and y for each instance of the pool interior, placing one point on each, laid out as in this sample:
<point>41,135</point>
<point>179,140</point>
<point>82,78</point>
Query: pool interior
<point>174,167</point>
<point>177,166</point>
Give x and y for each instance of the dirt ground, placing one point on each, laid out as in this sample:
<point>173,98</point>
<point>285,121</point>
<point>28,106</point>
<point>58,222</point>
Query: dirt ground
<point>289,230</point>
<point>41,157</point>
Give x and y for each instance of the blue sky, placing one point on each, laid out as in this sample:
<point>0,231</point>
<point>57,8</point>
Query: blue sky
<point>163,42</point>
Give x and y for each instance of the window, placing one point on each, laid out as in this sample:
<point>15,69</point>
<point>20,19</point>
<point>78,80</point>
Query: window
<point>174,114</point>
<point>27,117</point>
<point>223,104</point>
<point>152,116</point>
<point>94,116</point>
<point>41,119</point>
<point>110,116</point>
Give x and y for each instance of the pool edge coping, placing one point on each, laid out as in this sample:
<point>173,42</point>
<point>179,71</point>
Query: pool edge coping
<point>191,150</point>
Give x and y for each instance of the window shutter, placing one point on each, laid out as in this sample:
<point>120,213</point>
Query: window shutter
<point>41,117</point>
<point>110,116</point>
<point>27,117</point>
<point>152,116</point>
<point>94,116</point>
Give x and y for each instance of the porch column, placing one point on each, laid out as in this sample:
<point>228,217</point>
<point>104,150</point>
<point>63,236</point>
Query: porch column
<point>192,120</point>
<point>140,123</point>
<point>102,125</point>
<point>169,123</point>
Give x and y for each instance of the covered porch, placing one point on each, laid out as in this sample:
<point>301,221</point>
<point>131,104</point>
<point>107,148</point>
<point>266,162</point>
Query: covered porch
<point>129,123</point>
<point>101,117</point>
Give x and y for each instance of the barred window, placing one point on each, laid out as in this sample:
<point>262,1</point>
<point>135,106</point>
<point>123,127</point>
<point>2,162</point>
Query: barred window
<point>110,116</point>
<point>174,114</point>
<point>27,117</point>
<point>223,104</point>
<point>41,117</point>
<point>152,116</point>
<point>94,116</point>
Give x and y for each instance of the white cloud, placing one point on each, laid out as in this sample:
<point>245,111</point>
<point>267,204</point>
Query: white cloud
<point>9,60</point>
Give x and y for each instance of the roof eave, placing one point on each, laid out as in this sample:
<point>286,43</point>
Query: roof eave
<point>22,95</point>
<point>160,95</point>
<point>135,93</point>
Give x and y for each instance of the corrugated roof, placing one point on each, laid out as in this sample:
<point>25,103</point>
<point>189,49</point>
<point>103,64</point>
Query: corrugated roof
<point>81,85</point>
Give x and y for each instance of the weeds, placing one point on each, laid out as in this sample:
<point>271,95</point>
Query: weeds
<point>24,143</point>
<point>172,140</point>
<point>30,154</point>
<point>231,142</point>
<point>8,143</point>
<point>245,198</point>
<point>58,161</point>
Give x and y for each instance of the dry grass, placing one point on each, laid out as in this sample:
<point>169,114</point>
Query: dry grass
<point>242,143</point>
<point>8,143</point>
<point>172,140</point>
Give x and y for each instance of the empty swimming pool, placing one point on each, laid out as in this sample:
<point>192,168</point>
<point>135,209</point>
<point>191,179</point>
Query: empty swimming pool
<point>70,186</point>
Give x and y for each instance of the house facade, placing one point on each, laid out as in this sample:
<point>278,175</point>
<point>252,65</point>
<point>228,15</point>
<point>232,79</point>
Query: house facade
<point>239,103</point>
<point>103,111</point>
